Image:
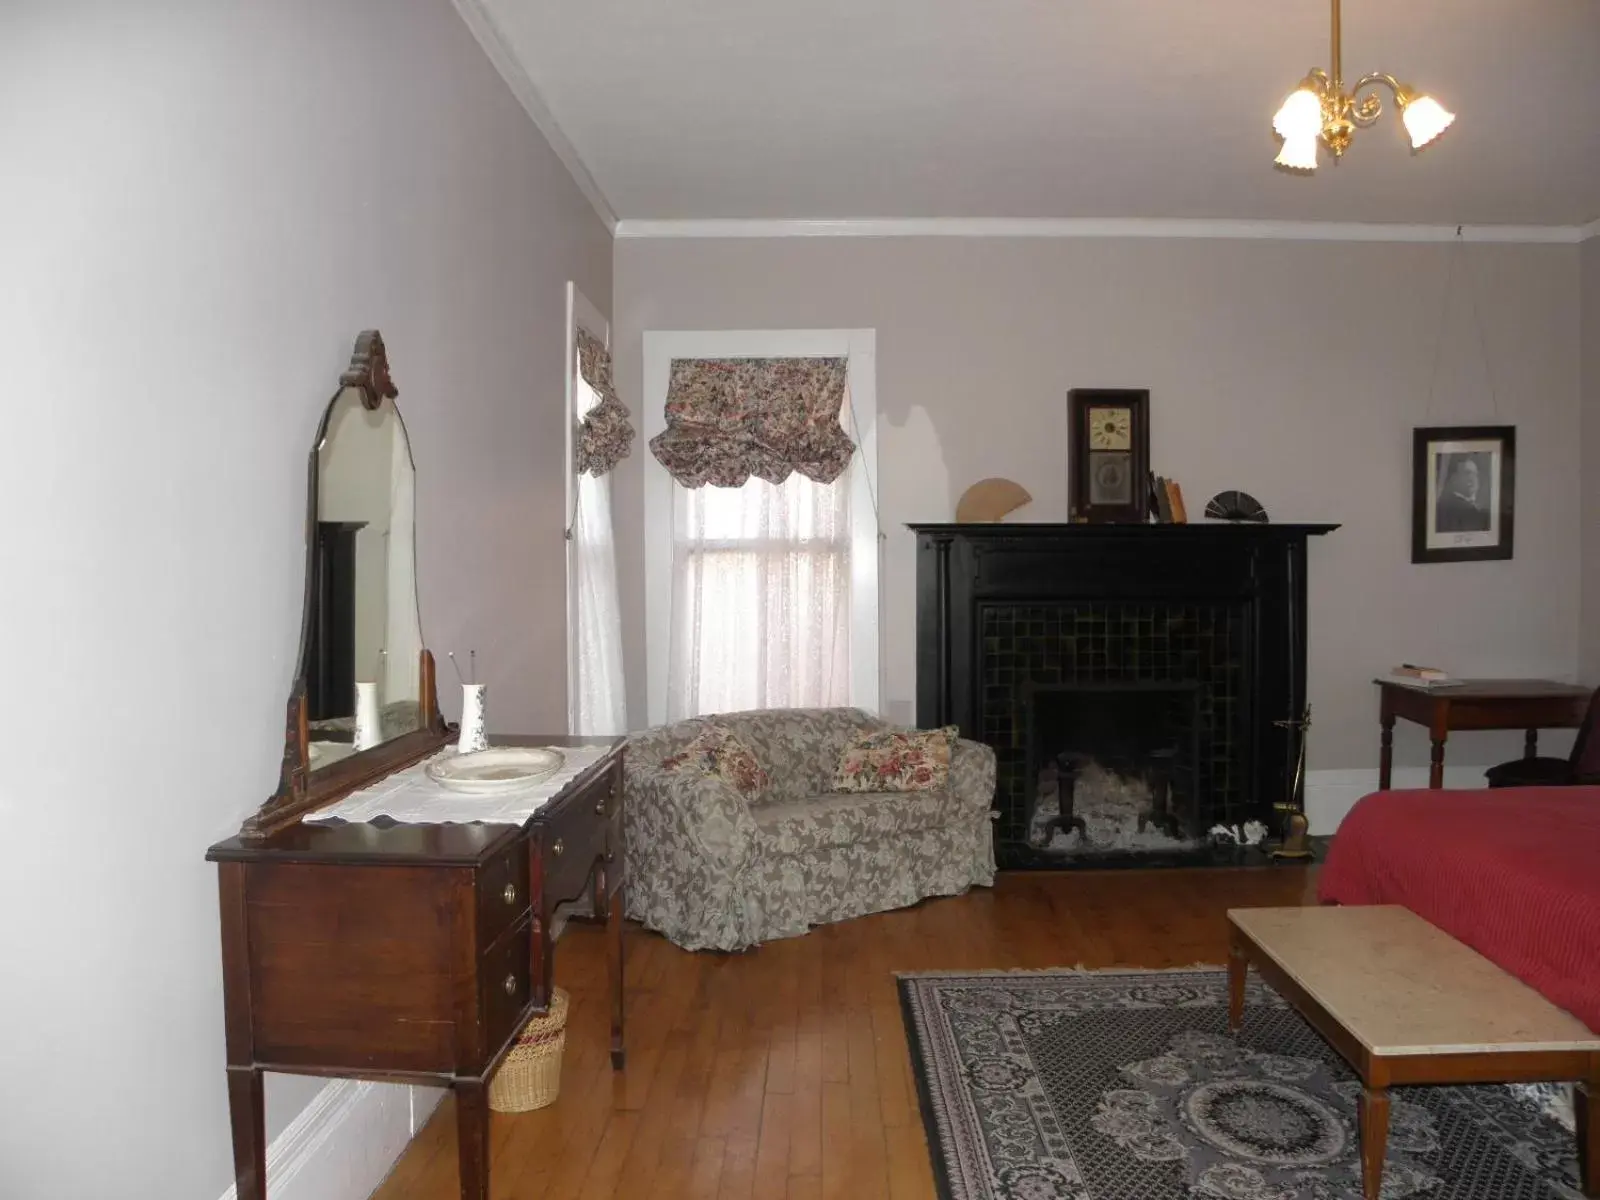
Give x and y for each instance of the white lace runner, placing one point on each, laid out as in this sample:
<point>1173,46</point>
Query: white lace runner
<point>412,797</point>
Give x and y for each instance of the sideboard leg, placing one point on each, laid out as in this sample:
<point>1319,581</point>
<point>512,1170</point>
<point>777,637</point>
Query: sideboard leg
<point>614,969</point>
<point>248,1116</point>
<point>472,1137</point>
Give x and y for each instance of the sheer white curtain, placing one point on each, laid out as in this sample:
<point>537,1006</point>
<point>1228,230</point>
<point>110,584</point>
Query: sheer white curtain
<point>598,701</point>
<point>761,597</point>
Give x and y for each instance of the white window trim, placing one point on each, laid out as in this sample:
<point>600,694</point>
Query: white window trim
<point>580,313</point>
<point>860,348</point>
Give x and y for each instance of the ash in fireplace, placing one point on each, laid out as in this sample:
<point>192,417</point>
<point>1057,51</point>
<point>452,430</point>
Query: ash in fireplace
<point>1109,811</point>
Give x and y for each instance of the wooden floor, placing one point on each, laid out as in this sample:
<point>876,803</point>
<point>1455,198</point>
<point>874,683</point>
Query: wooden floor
<point>783,1072</point>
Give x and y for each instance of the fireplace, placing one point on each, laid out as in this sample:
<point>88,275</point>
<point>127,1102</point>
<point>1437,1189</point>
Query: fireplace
<point>1130,678</point>
<point>1113,769</point>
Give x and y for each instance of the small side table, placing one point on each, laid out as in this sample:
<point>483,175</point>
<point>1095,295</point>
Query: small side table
<point>1527,704</point>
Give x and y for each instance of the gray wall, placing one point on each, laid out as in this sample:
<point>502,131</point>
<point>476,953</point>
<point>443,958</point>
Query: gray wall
<point>1589,616</point>
<point>1293,370</point>
<point>204,203</point>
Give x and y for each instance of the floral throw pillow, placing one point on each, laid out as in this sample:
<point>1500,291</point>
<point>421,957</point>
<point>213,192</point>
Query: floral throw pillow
<point>716,750</point>
<point>897,760</point>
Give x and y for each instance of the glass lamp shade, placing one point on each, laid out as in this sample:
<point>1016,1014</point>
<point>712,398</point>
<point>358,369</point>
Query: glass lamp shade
<point>1298,153</point>
<point>1300,118</point>
<point>1425,119</point>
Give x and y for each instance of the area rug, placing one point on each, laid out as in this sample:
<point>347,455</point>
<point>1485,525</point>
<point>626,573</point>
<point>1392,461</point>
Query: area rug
<point>1065,1085</point>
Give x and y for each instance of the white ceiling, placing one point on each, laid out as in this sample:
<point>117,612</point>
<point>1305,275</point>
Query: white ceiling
<point>1059,108</point>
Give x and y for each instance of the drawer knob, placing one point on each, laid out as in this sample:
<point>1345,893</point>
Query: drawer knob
<point>559,848</point>
<point>510,893</point>
<point>511,985</point>
<point>600,806</point>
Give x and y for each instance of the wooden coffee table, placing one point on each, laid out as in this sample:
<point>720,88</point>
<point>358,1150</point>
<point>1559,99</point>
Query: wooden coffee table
<point>1405,1003</point>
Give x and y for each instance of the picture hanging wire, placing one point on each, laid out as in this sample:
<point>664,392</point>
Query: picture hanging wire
<point>1458,249</point>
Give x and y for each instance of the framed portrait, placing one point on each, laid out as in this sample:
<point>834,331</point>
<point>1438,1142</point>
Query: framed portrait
<point>1463,493</point>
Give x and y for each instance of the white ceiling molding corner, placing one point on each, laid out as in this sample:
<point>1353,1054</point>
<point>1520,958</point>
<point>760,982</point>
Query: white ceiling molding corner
<point>1110,227</point>
<point>487,32</point>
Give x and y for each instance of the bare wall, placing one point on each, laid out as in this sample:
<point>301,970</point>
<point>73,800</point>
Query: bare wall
<point>1292,370</point>
<point>204,203</point>
<point>1589,615</point>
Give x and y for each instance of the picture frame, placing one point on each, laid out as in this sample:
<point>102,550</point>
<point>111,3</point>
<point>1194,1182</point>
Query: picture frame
<point>1463,493</point>
<point>1108,454</point>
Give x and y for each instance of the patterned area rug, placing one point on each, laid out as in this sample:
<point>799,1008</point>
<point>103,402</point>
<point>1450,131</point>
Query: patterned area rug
<point>1126,1086</point>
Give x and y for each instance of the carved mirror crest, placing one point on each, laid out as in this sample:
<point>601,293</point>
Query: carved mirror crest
<point>364,701</point>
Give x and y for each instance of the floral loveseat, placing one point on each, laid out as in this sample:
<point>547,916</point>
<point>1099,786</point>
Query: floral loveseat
<point>712,868</point>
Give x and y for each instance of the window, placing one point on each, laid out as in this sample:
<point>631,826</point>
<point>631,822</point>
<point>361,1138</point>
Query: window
<point>762,596</point>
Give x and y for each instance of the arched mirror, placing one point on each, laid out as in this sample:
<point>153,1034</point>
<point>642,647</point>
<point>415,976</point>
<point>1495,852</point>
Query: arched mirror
<point>364,700</point>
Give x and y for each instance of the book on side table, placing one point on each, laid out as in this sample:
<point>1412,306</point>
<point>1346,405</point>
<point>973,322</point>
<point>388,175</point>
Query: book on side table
<point>1413,675</point>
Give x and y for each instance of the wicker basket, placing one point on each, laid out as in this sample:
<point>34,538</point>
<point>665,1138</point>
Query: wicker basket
<point>530,1075</point>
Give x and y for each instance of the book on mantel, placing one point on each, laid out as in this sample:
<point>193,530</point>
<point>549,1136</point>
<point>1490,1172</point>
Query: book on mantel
<point>1416,676</point>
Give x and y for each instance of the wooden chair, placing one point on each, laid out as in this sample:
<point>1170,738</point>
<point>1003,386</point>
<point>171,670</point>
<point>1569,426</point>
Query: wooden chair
<point>1582,766</point>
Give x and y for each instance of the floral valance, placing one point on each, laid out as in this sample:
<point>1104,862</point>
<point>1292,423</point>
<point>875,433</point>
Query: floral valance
<point>605,434</point>
<point>731,418</point>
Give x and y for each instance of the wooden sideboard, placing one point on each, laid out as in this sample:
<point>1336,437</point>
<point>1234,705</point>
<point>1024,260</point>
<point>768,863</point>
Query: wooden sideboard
<point>408,953</point>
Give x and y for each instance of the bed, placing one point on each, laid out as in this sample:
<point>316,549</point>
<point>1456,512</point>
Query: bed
<point>1514,873</point>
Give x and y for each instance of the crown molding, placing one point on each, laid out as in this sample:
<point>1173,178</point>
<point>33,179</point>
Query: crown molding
<point>484,28</point>
<point>1108,227</point>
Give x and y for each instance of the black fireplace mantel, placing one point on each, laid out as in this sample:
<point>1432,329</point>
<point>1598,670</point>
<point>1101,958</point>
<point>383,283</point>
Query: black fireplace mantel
<point>1001,608</point>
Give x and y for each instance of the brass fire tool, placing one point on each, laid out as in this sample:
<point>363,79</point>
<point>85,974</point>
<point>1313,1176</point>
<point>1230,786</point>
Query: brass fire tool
<point>1295,843</point>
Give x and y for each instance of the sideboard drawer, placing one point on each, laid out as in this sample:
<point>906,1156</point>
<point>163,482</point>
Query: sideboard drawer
<point>503,977</point>
<point>502,894</point>
<point>570,843</point>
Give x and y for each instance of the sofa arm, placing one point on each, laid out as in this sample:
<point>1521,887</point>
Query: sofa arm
<point>700,814</point>
<point>972,774</point>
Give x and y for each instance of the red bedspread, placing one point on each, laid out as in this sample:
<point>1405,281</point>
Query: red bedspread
<point>1514,873</point>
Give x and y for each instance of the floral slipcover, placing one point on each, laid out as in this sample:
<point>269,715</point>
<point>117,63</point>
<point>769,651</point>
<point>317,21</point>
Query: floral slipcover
<point>713,870</point>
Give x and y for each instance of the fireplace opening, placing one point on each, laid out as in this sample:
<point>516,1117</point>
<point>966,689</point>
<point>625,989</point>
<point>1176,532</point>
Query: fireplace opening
<point>1113,769</point>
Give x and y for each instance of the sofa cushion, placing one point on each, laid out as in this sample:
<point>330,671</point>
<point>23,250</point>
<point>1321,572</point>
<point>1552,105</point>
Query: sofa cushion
<point>896,760</point>
<point>845,818</point>
<point>717,750</point>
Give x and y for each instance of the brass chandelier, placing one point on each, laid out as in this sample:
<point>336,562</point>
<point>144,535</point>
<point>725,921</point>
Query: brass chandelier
<point>1320,109</point>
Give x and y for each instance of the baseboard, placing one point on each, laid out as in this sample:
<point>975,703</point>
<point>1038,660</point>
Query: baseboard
<point>343,1144</point>
<point>1330,795</point>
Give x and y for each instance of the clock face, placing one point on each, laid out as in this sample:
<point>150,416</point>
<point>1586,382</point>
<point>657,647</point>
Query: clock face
<point>1110,428</point>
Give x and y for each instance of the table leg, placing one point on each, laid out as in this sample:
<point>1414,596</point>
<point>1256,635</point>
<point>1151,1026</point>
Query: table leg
<point>614,969</point>
<point>1530,744</point>
<point>248,1115</point>
<point>1436,764</point>
<point>472,1138</point>
<point>1386,752</point>
<point>1373,1117</point>
<point>1238,972</point>
<point>1586,1111</point>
